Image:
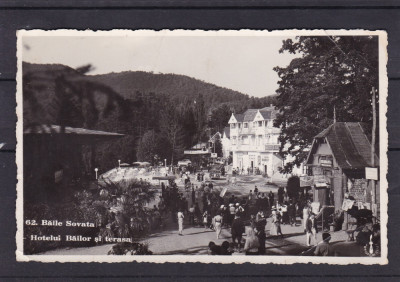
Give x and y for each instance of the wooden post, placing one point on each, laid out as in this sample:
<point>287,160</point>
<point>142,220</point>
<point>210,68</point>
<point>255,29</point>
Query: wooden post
<point>373,192</point>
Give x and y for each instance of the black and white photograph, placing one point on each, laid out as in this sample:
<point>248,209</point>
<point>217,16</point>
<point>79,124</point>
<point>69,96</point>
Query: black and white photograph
<point>227,146</point>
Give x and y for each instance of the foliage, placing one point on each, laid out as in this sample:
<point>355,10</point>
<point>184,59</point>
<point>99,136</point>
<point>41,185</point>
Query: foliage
<point>131,103</point>
<point>130,249</point>
<point>118,210</point>
<point>293,187</point>
<point>218,146</point>
<point>150,147</point>
<point>171,129</point>
<point>332,76</point>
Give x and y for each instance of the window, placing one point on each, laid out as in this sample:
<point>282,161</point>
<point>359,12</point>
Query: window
<point>239,125</point>
<point>266,123</point>
<point>234,140</point>
<point>233,125</point>
<point>259,123</point>
<point>246,125</point>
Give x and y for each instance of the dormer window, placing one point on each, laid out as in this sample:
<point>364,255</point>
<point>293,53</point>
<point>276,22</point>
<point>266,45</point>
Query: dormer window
<point>246,125</point>
<point>233,125</point>
<point>259,123</point>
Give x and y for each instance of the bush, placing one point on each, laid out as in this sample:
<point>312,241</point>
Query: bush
<point>130,249</point>
<point>293,187</point>
<point>117,210</point>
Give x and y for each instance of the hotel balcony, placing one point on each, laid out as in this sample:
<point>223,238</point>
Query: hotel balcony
<point>256,148</point>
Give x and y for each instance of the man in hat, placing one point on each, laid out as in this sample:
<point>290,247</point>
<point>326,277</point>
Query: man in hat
<point>311,229</point>
<point>237,230</point>
<point>239,209</point>
<point>231,213</point>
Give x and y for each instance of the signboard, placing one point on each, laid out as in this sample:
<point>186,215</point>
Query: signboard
<point>358,190</point>
<point>269,147</point>
<point>222,194</point>
<point>320,181</point>
<point>371,173</point>
<point>213,155</point>
<point>265,158</point>
<point>195,152</point>
<point>306,181</point>
<point>325,163</point>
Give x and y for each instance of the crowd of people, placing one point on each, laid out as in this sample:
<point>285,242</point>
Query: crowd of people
<point>202,206</point>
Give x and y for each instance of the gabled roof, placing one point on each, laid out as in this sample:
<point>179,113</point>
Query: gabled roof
<point>249,115</point>
<point>239,117</point>
<point>56,129</point>
<point>227,132</point>
<point>349,144</point>
<point>80,135</point>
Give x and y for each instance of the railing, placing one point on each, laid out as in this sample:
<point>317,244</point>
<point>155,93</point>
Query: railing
<point>259,148</point>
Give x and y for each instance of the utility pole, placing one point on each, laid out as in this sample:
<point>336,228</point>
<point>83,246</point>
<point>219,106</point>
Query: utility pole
<point>373,191</point>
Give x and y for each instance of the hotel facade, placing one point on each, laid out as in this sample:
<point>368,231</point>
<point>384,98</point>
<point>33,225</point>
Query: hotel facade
<point>254,142</point>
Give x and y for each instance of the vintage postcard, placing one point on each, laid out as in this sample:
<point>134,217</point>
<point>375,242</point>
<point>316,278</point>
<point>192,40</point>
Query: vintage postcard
<point>225,146</point>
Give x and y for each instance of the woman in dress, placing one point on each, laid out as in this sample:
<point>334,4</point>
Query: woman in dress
<point>205,219</point>
<point>252,243</point>
<point>218,224</point>
<point>276,223</point>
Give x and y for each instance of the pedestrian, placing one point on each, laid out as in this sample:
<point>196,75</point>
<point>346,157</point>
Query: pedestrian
<point>197,213</point>
<point>260,232</point>
<point>180,222</point>
<point>252,243</point>
<point>218,224</point>
<point>311,229</point>
<point>271,198</point>
<point>285,214</point>
<point>237,230</point>
<point>193,194</point>
<point>225,249</point>
<point>292,213</point>
<point>280,195</point>
<point>191,215</point>
<point>205,219</point>
<point>276,223</point>
<point>306,213</point>
<point>323,248</point>
<point>214,248</point>
<point>239,210</point>
<point>256,191</point>
<point>250,196</point>
<point>231,213</point>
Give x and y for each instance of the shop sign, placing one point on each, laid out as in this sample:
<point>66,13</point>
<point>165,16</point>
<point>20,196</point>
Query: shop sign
<point>371,173</point>
<point>325,163</point>
<point>306,181</point>
<point>320,181</point>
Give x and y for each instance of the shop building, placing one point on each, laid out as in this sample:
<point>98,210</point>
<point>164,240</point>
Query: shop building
<point>337,160</point>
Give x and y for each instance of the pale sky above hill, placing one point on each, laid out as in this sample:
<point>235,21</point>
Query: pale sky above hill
<point>241,63</point>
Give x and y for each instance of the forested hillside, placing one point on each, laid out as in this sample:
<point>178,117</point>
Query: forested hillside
<point>176,111</point>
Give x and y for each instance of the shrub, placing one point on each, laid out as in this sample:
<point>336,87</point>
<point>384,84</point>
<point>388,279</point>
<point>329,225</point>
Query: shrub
<point>130,249</point>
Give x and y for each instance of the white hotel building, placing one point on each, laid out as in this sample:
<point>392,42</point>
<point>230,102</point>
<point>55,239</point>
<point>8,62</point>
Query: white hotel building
<point>254,141</point>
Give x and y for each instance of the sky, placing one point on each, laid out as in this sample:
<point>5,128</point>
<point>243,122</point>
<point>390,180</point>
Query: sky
<point>241,63</point>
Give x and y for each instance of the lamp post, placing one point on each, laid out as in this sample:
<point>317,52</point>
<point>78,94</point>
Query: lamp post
<point>96,170</point>
<point>119,163</point>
